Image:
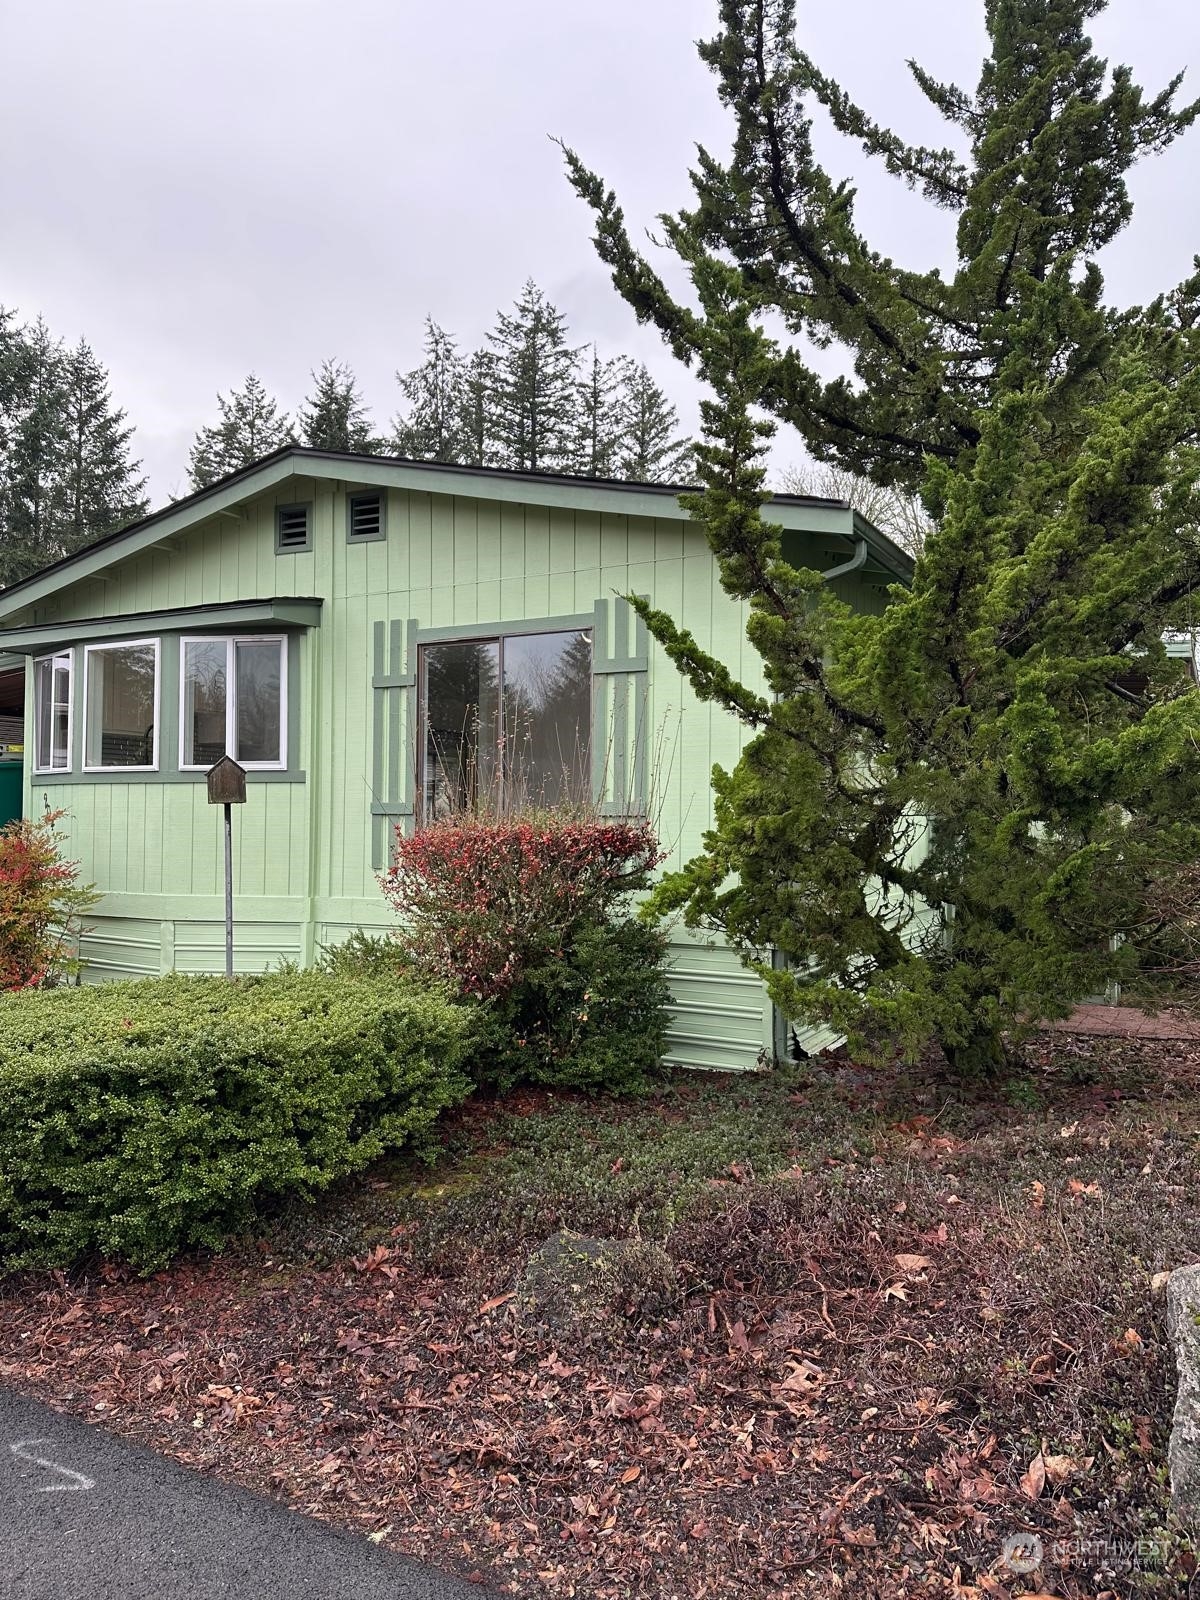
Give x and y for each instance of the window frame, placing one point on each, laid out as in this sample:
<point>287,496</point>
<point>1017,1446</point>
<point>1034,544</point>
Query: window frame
<point>368,538</point>
<point>496,636</point>
<point>231,642</point>
<point>124,644</point>
<point>294,549</point>
<point>53,657</point>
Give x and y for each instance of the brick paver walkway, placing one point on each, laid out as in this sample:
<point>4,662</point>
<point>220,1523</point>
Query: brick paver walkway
<point>1126,1022</point>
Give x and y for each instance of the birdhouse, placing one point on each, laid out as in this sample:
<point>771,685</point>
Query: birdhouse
<point>226,783</point>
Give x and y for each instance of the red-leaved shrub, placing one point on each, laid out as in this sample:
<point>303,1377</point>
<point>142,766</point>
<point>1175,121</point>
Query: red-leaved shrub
<point>41,903</point>
<point>531,916</point>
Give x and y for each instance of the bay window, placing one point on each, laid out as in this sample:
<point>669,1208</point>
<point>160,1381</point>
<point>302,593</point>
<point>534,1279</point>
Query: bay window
<point>505,722</point>
<point>121,706</point>
<point>52,713</point>
<point>233,701</point>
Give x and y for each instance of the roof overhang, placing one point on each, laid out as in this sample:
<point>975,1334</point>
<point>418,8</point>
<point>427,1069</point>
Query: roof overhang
<point>269,614</point>
<point>797,513</point>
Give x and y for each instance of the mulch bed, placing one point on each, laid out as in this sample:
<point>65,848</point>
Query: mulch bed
<point>883,1366</point>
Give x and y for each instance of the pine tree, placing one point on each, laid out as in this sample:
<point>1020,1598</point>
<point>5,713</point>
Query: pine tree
<point>432,429</point>
<point>36,451</point>
<point>533,395</point>
<point>101,488</point>
<point>598,418</point>
<point>648,448</point>
<point>13,362</point>
<point>335,416</point>
<point>473,409</point>
<point>949,815</point>
<point>251,426</point>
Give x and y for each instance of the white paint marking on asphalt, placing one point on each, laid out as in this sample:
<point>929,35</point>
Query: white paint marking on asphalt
<point>78,1481</point>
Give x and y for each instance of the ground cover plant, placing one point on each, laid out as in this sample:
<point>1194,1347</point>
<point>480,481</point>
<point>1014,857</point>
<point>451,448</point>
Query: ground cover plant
<point>140,1118</point>
<point>908,1326</point>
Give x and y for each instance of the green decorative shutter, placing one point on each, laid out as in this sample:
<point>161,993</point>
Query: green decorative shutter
<point>620,691</point>
<point>393,735</point>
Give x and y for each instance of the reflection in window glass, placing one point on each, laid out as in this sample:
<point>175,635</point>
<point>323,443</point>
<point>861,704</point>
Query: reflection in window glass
<point>259,699</point>
<point>203,702</point>
<point>120,710</point>
<point>507,723</point>
<point>462,727</point>
<point>547,718</point>
<point>52,714</point>
<point>233,701</point>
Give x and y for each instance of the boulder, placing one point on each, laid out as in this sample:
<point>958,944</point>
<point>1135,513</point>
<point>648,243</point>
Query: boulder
<point>572,1282</point>
<point>1183,1327</point>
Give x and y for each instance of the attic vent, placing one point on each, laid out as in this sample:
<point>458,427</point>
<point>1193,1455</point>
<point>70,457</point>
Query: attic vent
<point>293,528</point>
<point>365,518</point>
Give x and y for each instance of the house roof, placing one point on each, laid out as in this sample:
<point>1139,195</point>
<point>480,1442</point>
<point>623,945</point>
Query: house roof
<point>801,513</point>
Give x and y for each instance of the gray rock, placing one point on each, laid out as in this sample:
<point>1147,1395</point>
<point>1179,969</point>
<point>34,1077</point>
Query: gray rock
<point>1183,1327</point>
<point>572,1281</point>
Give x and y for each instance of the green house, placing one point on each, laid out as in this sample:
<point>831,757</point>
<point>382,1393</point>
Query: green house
<point>378,641</point>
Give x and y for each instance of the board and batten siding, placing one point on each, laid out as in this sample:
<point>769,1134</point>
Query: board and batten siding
<point>303,873</point>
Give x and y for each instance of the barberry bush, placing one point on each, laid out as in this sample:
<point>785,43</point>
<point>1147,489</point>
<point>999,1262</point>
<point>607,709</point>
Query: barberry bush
<point>532,917</point>
<point>42,905</point>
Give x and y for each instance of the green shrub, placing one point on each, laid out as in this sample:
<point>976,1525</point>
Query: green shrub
<point>529,916</point>
<point>363,955</point>
<point>592,1016</point>
<point>140,1118</point>
<point>42,905</point>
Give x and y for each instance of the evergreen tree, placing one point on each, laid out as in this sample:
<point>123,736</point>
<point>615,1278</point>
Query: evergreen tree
<point>335,416</point>
<point>101,488</point>
<point>251,426</point>
<point>533,394</point>
<point>598,420</point>
<point>13,372</point>
<point>949,815</point>
<point>648,449</point>
<point>433,428</point>
<point>36,453</point>
<point>473,409</point>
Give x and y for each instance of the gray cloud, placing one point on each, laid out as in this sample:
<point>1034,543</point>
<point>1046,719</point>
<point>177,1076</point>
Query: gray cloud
<point>203,187</point>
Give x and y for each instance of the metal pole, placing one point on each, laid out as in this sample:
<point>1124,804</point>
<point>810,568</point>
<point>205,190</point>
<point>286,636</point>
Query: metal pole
<point>228,890</point>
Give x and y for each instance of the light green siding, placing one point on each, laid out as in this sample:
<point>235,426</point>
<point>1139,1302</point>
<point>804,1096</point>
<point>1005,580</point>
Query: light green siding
<point>303,873</point>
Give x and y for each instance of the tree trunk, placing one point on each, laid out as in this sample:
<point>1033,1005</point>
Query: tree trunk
<point>981,1055</point>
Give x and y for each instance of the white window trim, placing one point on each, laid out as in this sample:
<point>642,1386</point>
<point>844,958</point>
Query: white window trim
<point>231,642</point>
<point>124,644</point>
<point>69,657</point>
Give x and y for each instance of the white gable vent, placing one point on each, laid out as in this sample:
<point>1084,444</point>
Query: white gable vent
<point>293,528</point>
<point>364,519</point>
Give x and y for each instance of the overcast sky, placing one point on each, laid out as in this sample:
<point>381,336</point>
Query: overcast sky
<point>205,187</point>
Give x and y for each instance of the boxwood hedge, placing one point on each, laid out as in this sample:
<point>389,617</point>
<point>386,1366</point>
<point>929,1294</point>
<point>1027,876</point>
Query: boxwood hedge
<point>137,1119</point>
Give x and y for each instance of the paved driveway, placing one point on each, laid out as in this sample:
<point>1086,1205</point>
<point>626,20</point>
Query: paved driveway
<point>85,1516</point>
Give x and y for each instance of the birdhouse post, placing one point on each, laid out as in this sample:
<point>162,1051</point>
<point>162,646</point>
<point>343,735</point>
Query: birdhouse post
<point>227,788</point>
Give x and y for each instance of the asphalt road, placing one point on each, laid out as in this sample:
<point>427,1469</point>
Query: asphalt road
<point>85,1516</point>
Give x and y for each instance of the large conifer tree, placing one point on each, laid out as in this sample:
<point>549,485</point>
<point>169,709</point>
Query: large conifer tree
<point>649,449</point>
<point>949,814</point>
<point>473,409</point>
<point>434,427</point>
<point>335,416</point>
<point>598,420</point>
<point>250,427</point>
<point>533,396</point>
<point>36,453</point>
<point>102,487</point>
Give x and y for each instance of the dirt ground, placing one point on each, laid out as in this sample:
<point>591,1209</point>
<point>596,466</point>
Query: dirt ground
<point>917,1347</point>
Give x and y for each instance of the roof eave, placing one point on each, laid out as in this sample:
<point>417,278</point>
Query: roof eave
<point>801,514</point>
